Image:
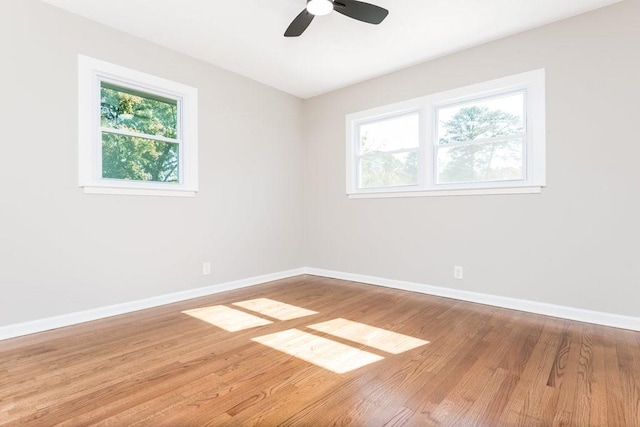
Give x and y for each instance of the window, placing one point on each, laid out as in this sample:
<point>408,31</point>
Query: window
<point>388,151</point>
<point>138,132</point>
<point>487,138</point>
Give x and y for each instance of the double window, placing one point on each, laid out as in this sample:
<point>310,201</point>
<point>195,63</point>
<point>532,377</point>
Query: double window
<point>487,138</point>
<point>138,132</point>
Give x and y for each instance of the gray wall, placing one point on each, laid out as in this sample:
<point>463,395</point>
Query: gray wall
<point>63,251</point>
<point>576,244</point>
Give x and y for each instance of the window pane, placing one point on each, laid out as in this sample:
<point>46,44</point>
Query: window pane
<point>123,108</point>
<point>389,170</point>
<point>395,133</point>
<point>139,159</point>
<point>481,119</point>
<point>490,161</point>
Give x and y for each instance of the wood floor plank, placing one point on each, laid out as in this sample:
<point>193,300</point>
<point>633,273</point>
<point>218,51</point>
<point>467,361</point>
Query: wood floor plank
<point>482,366</point>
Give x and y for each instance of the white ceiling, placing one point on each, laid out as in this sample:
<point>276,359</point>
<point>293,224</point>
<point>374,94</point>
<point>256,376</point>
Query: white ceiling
<point>246,36</point>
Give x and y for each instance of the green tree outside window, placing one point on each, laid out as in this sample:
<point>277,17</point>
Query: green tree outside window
<point>139,135</point>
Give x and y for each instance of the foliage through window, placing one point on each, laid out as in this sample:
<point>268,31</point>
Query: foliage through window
<point>141,136</point>
<point>485,138</point>
<point>153,154</point>
<point>481,141</point>
<point>388,152</point>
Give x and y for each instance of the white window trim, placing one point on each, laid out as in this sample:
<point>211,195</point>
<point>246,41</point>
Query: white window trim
<point>534,84</point>
<point>91,72</point>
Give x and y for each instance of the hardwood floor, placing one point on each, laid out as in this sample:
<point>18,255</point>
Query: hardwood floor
<point>455,363</point>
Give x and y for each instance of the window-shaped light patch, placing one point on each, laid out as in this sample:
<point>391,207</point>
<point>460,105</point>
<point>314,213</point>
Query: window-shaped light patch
<point>327,354</point>
<point>378,338</point>
<point>227,318</point>
<point>276,309</point>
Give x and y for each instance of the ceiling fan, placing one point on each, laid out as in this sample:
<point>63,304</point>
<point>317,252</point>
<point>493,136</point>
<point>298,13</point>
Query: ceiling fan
<point>361,11</point>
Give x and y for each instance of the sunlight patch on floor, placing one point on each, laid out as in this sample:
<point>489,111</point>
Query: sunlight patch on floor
<point>227,318</point>
<point>276,309</point>
<point>381,339</point>
<point>327,354</point>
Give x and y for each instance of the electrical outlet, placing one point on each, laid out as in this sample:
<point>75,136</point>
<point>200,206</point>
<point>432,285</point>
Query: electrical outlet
<point>206,268</point>
<point>458,272</point>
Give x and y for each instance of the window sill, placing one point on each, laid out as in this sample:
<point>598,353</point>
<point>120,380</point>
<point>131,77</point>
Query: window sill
<point>381,194</point>
<point>138,191</point>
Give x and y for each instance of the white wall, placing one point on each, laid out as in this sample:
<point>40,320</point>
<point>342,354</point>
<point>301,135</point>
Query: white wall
<point>63,251</point>
<point>576,244</point>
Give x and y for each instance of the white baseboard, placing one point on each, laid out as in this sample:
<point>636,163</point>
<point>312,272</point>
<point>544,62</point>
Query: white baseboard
<point>41,325</point>
<point>571,313</point>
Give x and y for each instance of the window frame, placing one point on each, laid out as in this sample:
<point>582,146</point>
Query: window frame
<point>91,73</point>
<point>533,85</point>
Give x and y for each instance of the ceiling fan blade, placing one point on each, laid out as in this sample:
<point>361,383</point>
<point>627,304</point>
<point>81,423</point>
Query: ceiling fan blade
<point>299,24</point>
<point>361,11</point>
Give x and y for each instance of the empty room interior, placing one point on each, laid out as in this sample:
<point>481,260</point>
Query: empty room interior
<point>320,212</point>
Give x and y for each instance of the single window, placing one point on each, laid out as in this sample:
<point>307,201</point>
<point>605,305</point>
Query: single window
<point>138,133</point>
<point>482,139</point>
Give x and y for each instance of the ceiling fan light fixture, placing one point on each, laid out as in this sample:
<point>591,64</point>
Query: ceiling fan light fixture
<point>355,9</point>
<point>319,7</point>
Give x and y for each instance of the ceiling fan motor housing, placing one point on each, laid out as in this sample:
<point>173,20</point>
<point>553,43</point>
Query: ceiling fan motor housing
<point>319,7</point>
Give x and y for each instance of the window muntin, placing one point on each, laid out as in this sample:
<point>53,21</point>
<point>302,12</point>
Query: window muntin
<point>488,138</point>
<point>138,132</point>
<point>388,150</point>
